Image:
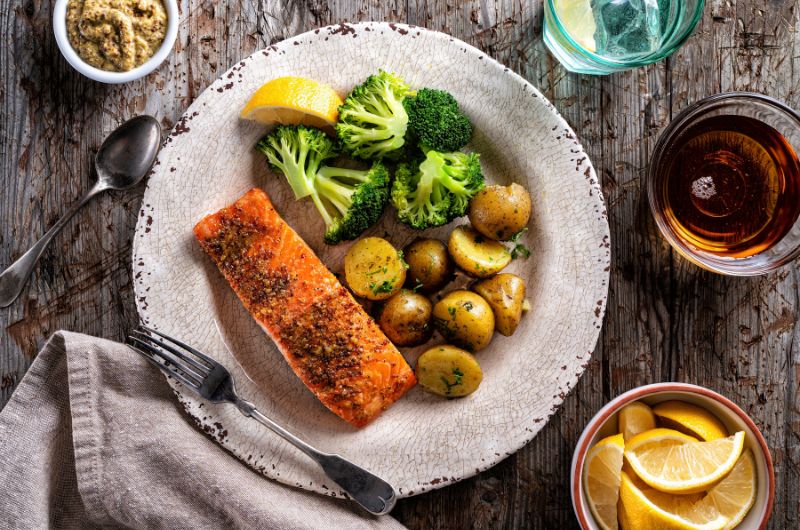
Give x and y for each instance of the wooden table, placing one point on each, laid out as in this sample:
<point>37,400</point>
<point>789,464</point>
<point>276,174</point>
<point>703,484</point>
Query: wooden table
<point>667,320</point>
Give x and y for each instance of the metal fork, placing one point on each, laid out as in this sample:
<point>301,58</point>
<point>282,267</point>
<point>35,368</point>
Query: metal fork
<point>213,382</point>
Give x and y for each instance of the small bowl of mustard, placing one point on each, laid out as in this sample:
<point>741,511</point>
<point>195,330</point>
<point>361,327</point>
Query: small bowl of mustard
<point>115,41</point>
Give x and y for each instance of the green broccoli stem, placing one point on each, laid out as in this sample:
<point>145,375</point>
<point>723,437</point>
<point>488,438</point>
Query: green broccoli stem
<point>330,172</point>
<point>366,117</point>
<point>323,210</point>
<point>338,194</point>
<point>425,185</point>
<point>428,192</point>
<point>435,164</point>
<point>294,168</point>
<point>394,103</point>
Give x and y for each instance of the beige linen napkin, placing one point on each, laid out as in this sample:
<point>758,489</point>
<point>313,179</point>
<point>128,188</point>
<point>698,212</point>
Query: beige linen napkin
<point>93,437</point>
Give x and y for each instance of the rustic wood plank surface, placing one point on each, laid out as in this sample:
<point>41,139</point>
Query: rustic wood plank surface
<point>666,319</point>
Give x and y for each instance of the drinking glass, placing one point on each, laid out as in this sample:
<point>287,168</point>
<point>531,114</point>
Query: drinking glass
<point>605,36</point>
<point>767,110</point>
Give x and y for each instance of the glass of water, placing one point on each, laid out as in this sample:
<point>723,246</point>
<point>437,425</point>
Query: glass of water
<point>604,36</point>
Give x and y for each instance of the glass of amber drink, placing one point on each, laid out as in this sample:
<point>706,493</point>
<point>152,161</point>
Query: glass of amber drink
<point>724,184</point>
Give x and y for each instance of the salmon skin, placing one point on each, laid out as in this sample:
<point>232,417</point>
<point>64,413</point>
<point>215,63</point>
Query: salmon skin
<point>330,342</point>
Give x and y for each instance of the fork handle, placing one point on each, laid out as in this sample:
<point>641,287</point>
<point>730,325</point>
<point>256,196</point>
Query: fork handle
<point>370,491</point>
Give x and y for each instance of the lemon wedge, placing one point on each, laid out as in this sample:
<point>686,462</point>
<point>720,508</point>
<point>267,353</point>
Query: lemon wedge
<point>601,478</point>
<point>639,483</point>
<point>578,19</point>
<point>663,436</point>
<point>666,463</point>
<point>294,101</point>
<point>690,419</point>
<point>734,495</point>
<point>653,510</point>
<point>635,418</point>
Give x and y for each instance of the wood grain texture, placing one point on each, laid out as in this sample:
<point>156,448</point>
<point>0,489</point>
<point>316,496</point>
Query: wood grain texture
<point>666,320</point>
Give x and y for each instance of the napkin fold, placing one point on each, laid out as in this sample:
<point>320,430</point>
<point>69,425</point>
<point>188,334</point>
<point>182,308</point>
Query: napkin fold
<point>93,437</point>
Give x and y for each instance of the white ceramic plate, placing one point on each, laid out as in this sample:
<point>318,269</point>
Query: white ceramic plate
<point>422,442</point>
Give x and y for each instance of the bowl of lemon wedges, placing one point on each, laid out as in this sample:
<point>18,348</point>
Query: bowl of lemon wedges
<point>672,455</point>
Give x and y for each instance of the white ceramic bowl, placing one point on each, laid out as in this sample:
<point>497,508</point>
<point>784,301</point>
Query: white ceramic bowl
<point>72,57</point>
<point>604,423</point>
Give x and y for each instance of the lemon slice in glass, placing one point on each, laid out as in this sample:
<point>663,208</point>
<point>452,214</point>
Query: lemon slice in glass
<point>294,101</point>
<point>601,475</point>
<point>578,19</point>
<point>664,463</point>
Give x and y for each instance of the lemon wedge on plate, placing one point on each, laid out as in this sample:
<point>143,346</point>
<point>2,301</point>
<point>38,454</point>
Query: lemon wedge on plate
<point>294,101</point>
<point>690,419</point>
<point>651,509</point>
<point>635,418</point>
<point>666,463</point>
<point>578,19</point>
<point>601,479</point>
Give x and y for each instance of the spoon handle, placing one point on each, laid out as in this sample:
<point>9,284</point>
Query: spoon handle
<point>14,278</point>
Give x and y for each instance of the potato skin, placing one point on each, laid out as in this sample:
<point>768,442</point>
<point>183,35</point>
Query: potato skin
<point>406,318</point>
<point>465,319</point>
<point>448,371</point>
<point>476,254</point>
<point>429,264</point>
<point>499,212</point>
<point>505,294</point>
<point>373,269</point>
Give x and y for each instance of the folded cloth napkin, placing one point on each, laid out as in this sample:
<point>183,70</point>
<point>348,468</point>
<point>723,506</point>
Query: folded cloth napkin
<point>93,437</point>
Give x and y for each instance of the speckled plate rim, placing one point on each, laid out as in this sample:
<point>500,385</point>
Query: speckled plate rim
<point>566,384</point>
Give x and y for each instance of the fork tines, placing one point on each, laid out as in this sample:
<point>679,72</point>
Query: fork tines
<point>179,360</point>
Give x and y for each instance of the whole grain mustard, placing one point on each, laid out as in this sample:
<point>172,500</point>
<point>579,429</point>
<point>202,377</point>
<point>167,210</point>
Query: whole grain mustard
<point>116,35</point>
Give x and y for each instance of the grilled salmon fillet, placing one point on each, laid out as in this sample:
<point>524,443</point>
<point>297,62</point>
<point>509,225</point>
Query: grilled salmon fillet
<point>327,338</point>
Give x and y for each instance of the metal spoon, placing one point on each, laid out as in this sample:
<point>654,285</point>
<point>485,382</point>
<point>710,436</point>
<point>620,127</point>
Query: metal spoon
<point>122,162</point>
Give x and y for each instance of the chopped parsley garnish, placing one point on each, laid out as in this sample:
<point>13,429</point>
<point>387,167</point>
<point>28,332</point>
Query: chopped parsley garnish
<point>518,235</point>
<point>468,306</point>
<point>452,311</point>
<point>402,260</point>
<point>384,287</point>
<point>519,250</point>
<point>458,376</point>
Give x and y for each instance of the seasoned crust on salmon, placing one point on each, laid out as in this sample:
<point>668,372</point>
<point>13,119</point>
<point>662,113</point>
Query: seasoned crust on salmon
<point>327,338</point>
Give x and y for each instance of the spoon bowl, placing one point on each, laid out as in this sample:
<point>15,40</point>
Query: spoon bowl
<point>124,158</point>
<point>128,153</point>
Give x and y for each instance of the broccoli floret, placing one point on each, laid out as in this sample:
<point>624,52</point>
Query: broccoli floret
<point>350,200</point>
<point>436,121</point>
<point>297,152</point>
<point>437,190</point>
<point>372,121</point>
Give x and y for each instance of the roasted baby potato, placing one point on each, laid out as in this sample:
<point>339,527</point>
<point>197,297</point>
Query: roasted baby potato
<point>429,264</point>
<point>374,269</point>
<point>499,212</point>
<point>406,318</point>
<point>465,319</point>
<point>448,371</point>
<point>505,294</point>
<point>476,254</point>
